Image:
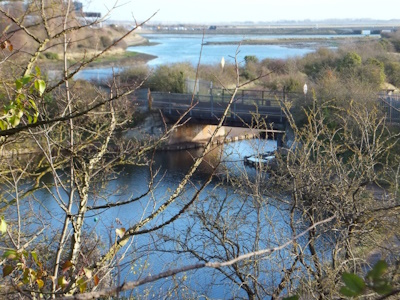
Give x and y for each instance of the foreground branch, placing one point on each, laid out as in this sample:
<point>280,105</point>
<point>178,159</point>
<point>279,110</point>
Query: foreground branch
<point>133,284</point>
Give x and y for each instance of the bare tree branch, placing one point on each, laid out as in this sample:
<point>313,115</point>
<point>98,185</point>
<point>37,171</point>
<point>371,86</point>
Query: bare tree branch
<point>133,284</point>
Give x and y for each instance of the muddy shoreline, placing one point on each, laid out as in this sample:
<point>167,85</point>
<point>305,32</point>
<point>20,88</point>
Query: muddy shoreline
<point>298,42</point>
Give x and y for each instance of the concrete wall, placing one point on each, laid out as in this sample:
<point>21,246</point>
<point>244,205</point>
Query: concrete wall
<point>191,136</point>
<point>187,136</point>
<point>194,133</point>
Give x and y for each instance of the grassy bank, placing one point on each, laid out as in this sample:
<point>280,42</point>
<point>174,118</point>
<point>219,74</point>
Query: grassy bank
<point>87,47</point>
<point>112,59</point>
<point>122,58</point>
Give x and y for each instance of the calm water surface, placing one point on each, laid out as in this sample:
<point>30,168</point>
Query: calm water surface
<point>172,165</point>
<point>175,48</point>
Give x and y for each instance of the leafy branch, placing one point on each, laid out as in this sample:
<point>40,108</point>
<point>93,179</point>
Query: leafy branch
<point>356,286</point>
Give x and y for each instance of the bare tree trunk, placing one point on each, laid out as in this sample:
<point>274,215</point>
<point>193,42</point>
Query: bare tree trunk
<point>68,213</point>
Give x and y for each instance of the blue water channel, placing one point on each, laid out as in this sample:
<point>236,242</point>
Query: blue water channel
<point>155,252</point>
<point>158,251</point>
<point>177,48</point>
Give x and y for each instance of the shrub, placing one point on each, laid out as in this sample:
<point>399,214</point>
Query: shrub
<point>392,70</point>
<point>371,74</point>
<point>315,63</point>
<point>377,69</point>
<point>394,38</point>
<point>290,83</point>
<point>385,44</point>
<point>105,41</point>
<point>350,61</point>
<point>133,76</point>
<point>251,59</point>
<point>219,77</point>
<point>249,72</point>
<point>278,66</point>
<point>396,45</point>
<point>171,78</point>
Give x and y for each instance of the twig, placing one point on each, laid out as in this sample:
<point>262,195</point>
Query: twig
<point>133,284</point>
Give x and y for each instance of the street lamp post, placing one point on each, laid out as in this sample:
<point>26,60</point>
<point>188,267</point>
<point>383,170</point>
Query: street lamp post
<point>211,98</point>
<point>305,89</point>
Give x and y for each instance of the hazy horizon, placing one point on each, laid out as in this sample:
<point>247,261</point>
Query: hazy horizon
<point>235,11</point>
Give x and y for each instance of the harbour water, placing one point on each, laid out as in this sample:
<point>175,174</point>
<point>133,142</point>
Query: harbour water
<point>155,252</point>
<point>165,249</point>
<point>178,48</point>
<point>175,48</point>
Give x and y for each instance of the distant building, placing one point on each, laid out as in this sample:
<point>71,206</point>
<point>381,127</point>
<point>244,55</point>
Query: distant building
<point>366,32</point>
<point>86,17</point>
<point>213,27</point>
<point>92,14</point>
<point>78,6</point>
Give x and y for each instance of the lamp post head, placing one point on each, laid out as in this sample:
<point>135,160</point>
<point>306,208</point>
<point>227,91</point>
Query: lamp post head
<point>305,88</point>
<point>222,63</point>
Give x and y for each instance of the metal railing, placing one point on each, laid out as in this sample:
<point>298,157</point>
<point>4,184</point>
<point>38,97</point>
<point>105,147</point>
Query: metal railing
<point>245,105</point>
<point>213,105</point>
<point>390,105</point>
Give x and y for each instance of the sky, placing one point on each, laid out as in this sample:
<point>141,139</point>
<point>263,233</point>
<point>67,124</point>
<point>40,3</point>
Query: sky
<point>223,11</point>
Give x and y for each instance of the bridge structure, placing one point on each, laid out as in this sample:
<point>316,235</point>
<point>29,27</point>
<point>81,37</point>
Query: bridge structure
<point>208,109</point>
<point>201,112</point>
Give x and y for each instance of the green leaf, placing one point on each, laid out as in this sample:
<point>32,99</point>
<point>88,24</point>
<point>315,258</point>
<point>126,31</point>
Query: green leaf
<point>62,281</point>
<point>3,125</point>
<point>383,288</point>
<point>10,254</point>
<point>33,104</point>
<point>7,270</point>
<point>34,256</point>
<point>18,84</point>
<point>26,79</point>
<point>3,225</point>
<point>14,121</point>
<point>292,298</point>
<point>20,98</point>
<point>82,285</point>
<point>25,277</point>
<point>378,270</point>
<point>354,283</point>
<point>347,292</point>
<point>32,274</point>
<point>40,86</point>
<point>38,73</point>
